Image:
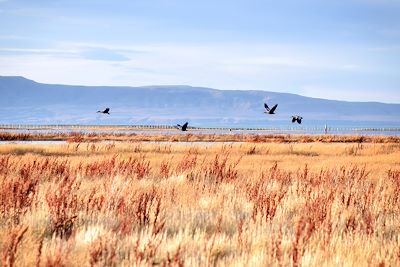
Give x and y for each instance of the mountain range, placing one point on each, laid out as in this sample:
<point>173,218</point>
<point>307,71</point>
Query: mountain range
<point>24,101</point>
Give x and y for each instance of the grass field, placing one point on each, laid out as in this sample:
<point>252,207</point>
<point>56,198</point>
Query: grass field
<point>79,137</point>
<point>317,203</point>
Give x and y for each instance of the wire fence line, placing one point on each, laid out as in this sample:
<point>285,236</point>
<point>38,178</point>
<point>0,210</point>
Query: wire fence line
<point>161,127</point>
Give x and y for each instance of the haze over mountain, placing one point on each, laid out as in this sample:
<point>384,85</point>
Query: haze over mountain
<point>27,102</point>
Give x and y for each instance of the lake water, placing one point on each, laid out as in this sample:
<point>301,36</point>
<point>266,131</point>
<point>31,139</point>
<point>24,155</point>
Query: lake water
<point>118,142</point>
<point>308,130</point>
<point>273,127</point>
<point>45,142</point>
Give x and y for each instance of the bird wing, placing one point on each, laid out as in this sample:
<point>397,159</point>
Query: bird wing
<point>293,119</point>
<point>184,126</point>
<point>106,110</point>
<point>273,108</point>
<point>266,106</point>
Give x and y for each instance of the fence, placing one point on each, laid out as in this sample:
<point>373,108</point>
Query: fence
<point>161,127</point>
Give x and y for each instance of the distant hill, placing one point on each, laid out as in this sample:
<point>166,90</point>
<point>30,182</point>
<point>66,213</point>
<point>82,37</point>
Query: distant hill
<point>28,102</point>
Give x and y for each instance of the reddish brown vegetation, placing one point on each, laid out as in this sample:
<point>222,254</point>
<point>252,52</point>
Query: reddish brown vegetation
<point>209,204</point>
<point>76,137</point>
<point>11,244</point>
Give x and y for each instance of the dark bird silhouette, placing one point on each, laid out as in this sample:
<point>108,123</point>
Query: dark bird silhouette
<point>182,127</point>
<point>297,118</point>
<point>106,111</point>
<point>270,111</point>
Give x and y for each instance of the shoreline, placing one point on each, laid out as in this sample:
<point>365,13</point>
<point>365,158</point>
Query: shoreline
<point>79,137</point>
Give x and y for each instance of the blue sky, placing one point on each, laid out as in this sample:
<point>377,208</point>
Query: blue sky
<point>347,50</point>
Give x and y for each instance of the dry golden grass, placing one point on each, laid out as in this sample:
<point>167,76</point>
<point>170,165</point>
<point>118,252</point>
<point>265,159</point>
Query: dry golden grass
<point>194,136</point>
<point>243,204</point>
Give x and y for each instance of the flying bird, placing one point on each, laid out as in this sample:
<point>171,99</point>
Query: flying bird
<point>297,118</point>
<point>182,127</point>
<point>270,111</point>
<point>106,111</point>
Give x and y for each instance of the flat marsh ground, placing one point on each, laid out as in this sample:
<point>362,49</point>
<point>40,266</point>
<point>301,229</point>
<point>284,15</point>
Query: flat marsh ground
<point>243,204</point>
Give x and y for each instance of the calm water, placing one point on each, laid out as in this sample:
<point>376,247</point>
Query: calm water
<point>33,142</point>
<point>335,131</point>
<point>117,142</point>
<point>273,127</point>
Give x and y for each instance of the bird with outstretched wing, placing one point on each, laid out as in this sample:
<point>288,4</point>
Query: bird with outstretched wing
<point>270,110</point>
<point>106,111</point>
<point>182,127</point>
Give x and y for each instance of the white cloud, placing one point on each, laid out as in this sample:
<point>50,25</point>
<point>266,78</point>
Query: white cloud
<point>347,93</point>
<point>103,54</point>
<point>44,51</point>
<point>350,67</point>
<point>261,67</point>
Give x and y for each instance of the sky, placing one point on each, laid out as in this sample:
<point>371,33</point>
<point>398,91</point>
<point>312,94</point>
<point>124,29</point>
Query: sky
<point>343,49</point>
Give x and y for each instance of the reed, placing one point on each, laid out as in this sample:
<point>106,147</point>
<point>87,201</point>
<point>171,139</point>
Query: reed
<point>242,204</point>
<point>78,137</point>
